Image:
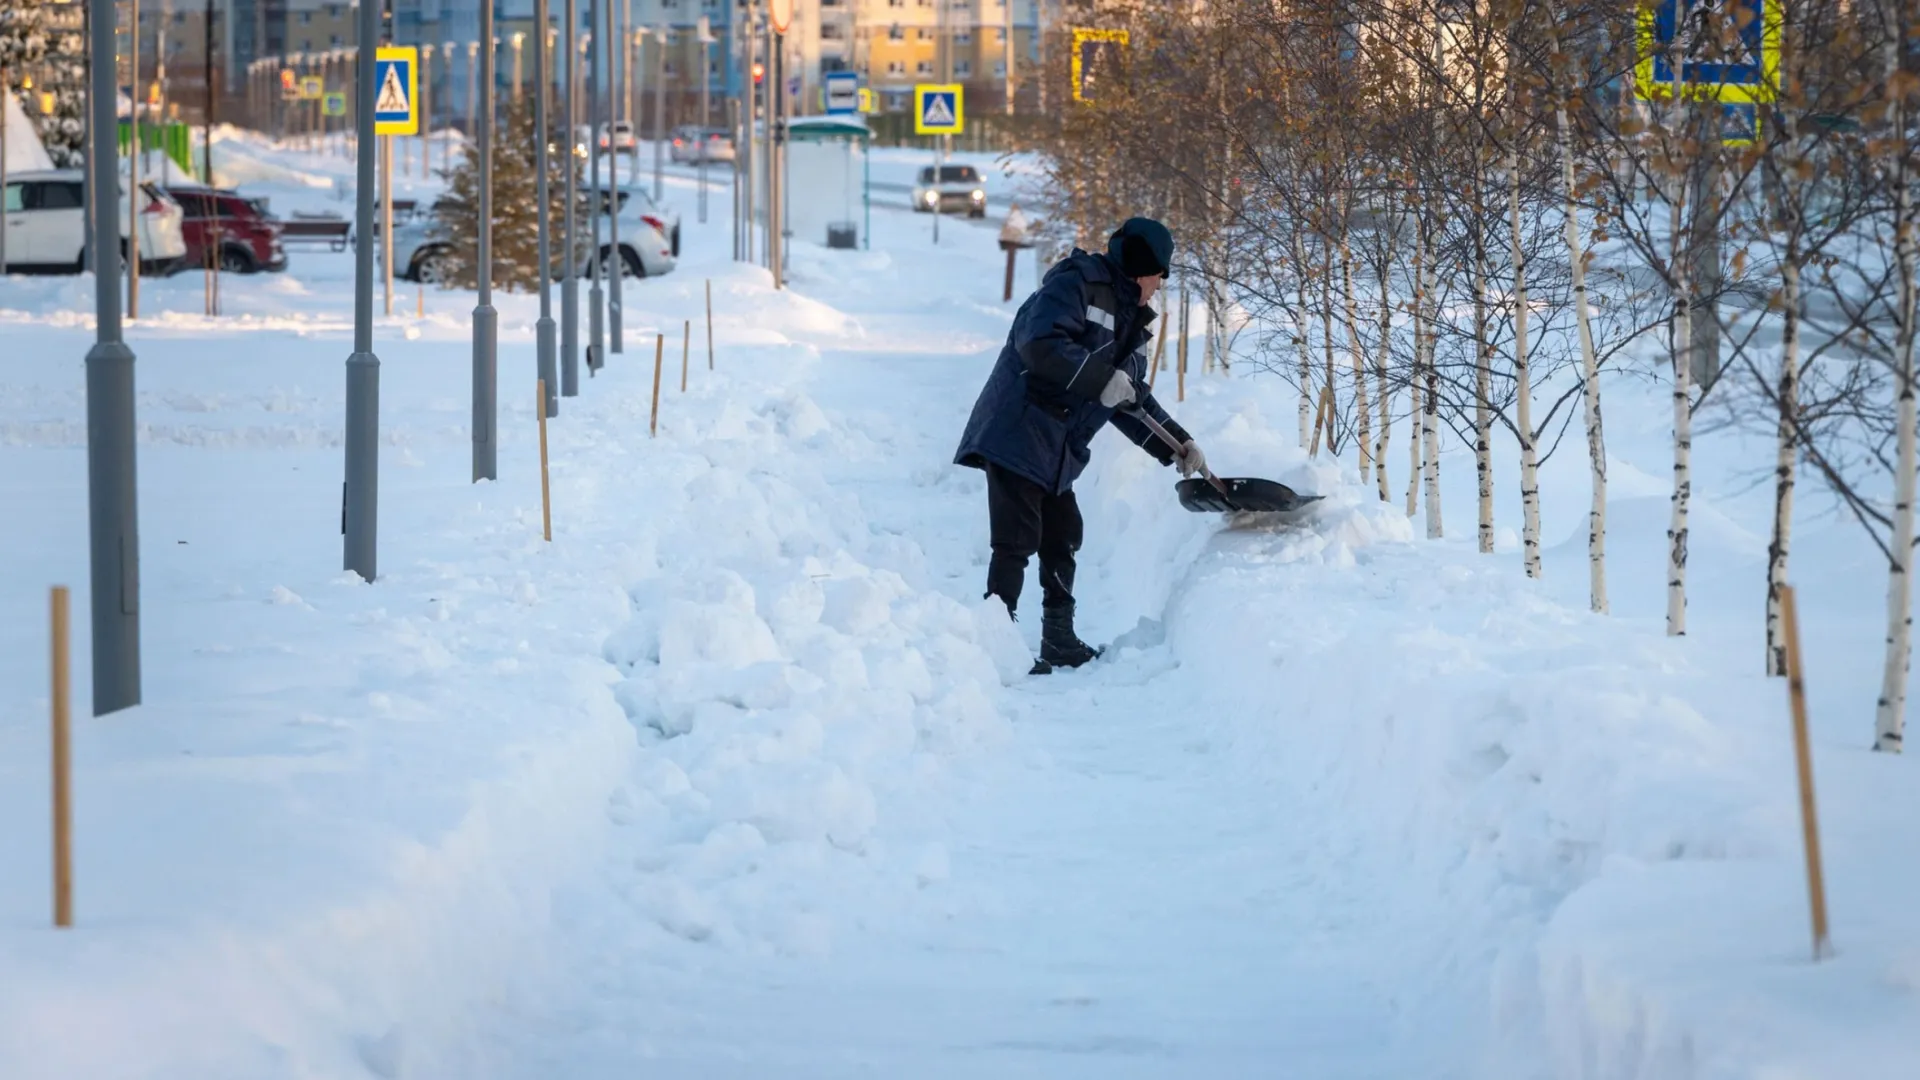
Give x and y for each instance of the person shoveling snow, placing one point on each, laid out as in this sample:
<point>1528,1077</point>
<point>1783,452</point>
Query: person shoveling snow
<point>1075,360</point>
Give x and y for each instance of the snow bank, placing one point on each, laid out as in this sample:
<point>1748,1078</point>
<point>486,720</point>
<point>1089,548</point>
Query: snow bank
<point>23,146</point>
<point>1598,819</point>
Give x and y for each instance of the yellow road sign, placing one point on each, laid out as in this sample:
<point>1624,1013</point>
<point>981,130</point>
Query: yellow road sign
<point>939,109</point>
<point>312,88</point>
<point>396,90</point>
<point>1093,51</point>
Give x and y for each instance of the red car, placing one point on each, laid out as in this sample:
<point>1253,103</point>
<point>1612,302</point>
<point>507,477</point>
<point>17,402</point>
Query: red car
<point>248,236</point>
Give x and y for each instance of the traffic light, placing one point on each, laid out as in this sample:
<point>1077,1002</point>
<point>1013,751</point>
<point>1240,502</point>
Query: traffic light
<point>759,72</point>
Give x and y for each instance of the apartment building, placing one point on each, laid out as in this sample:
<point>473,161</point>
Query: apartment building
<point>900,43</point>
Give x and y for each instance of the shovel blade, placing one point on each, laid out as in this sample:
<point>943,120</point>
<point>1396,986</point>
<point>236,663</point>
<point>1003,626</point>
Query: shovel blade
<point>1243,494</point>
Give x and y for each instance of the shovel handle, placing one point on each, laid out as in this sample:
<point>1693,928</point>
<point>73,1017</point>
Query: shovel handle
<point>1173,444</point>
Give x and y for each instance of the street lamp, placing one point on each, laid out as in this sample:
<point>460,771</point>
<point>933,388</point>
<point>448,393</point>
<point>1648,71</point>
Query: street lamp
<point>543,328</point>
<point>569,260</point>
<point>486,320</point>
<point>473,58</point>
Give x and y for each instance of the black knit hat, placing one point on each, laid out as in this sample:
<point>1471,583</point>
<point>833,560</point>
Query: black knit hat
<point>1143,247</point>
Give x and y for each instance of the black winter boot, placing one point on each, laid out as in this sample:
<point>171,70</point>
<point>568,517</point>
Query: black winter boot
<point>1059,645</point>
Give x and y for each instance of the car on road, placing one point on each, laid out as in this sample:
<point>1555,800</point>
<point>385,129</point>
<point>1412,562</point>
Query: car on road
<point>46,214</point>
<point>649,240</point>
<point>618,137</point>
<point>953,189</point>
<point>237,231</point>
<point>693,144</point>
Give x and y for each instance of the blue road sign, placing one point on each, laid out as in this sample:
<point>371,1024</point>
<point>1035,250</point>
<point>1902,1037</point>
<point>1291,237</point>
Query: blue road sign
<point>396,91</point>
<point>843,93</point>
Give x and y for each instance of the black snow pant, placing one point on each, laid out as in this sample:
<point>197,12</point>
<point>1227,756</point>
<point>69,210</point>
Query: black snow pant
<point>1026,519</point>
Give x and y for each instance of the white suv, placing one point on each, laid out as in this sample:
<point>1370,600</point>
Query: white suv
<point>46,214</point>
<point>958,189</point>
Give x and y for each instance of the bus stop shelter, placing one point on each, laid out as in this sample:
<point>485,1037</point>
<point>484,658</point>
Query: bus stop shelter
<point>828,189</point>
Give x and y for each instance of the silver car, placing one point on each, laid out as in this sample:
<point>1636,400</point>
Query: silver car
<point>649,241</point>
<point>693,144</point>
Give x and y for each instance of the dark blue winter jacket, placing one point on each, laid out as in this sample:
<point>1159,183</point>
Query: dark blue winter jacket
<point>1041,405</point>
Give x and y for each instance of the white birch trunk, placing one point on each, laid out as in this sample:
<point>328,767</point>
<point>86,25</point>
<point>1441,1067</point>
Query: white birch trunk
<point>1326,338</point>
<point>1416,416</point>
<point>1889,724</point>
<point>1436,523</point>
<point>1300,342</point>
<point>1682,418</point>
<point>1355,355</point>
<point>1783,469</point>
<point>1523,385</point>
<point>1482,393</point>
<point>1590,370</point>
<point>1380,382</point>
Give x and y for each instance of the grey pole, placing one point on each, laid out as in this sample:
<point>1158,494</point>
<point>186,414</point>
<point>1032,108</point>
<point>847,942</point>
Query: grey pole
<point>659,110</point>
<point>596,296</point>
<point>6,98</point>
<point>486,321</point>
<point>543,328</point>
<point>706,107</point>
<point>615,53</point>
<point>112,506</point>
<point>361,497</point>
<point>570,261</point>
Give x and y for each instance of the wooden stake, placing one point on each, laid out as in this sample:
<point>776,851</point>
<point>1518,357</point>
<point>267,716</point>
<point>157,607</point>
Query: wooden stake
<point>420,300</point>
<point>62,768</point>
<point>1803,756</point>
<point>1319,424</point>
<point>686,346</point>
<point>709,324</point>
<point>546,494</point>
<point>659,352</point>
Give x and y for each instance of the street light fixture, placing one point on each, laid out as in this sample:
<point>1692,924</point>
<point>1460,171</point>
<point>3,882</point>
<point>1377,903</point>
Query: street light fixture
<point>518,39</point>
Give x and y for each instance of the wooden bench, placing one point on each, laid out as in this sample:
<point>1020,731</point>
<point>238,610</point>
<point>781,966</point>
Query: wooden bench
<point>330,231</point>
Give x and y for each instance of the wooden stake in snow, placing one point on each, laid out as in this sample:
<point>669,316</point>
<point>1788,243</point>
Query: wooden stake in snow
<point>686,348</point>
<point>1803,761</point>
<point>546,497</point>
<point>62,766</point>
<point>709,324</point>
<point>659,355</point>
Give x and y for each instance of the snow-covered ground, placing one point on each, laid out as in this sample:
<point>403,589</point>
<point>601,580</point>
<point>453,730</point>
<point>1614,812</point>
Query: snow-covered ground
<point>738,777</point>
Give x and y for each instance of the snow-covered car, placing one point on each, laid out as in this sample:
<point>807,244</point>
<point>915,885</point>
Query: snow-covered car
<point>46,212</point>
<point>618,137</point>
<point>955,189</point>
<point>649,240</point>
<point>693,145</point>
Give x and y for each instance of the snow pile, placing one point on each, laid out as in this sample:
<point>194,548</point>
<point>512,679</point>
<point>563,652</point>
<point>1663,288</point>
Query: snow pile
<point>24,149</point>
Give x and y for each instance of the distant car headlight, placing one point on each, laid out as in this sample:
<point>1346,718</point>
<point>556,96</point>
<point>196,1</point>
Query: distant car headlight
<point>932,197</point>
<point>979,196</point>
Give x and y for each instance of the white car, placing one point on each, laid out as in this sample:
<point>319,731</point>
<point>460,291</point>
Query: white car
<point>649,241</point>
<point>46,214</point>
<point>619,139</point>
<point>958,189</point>
<point>693,145</point>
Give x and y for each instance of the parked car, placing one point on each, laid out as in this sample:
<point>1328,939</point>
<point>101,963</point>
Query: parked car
<point>620,139</point>
<point>957,188</point>
<point>249,238</point>
<point>46,212</point>
<point>693,144</point>
<point>649,240</point>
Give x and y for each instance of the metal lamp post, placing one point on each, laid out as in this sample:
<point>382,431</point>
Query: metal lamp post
<point>361,495</point>
<point>517,39</point>
<point>570,261</point>
<point>596,199</point>
<point>486,321</point>
<point>473,59</point>
<point>112,503</point>
<point>543,328</point>
<point>616,69</point>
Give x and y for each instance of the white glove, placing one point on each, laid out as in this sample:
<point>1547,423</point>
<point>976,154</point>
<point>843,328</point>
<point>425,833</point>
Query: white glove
<point>1119,391</point>
<point>1190,460</point>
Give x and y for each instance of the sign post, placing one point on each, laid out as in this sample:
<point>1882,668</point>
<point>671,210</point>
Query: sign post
<point>939,109</point>
<point>1093,50</point>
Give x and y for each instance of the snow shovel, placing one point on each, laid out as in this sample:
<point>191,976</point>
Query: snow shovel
<point>1209,494</point>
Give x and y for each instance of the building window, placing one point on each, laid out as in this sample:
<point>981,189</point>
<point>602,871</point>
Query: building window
<point>925,67</point>
<point>923,34</point>
<point>334,40</point>
<point>832,32</point>
<point>964,37</point>
<point>306,18</point>
<point>896,3</point>
<point>999,35</point>
<point>999,69</point>
<point>962,69</point>
<point>895,67</point>
<point>895,33</point>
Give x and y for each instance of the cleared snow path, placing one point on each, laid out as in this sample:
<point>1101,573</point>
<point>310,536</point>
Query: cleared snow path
<point>1102,890</point>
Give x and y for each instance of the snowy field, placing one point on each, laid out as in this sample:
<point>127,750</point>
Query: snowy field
<point>738,777</point>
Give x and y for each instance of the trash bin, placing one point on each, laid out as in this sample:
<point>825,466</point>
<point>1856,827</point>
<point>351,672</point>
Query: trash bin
<point>843,234</point>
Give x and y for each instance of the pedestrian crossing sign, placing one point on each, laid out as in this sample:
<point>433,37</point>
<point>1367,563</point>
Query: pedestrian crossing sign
<point>396,90</point>
<point>938,109</point>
